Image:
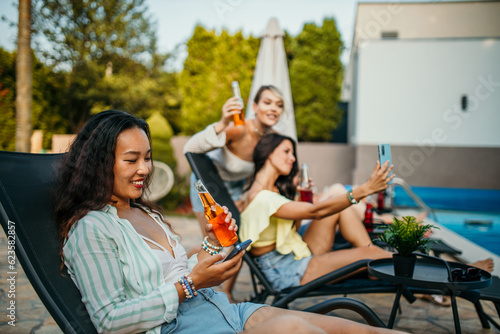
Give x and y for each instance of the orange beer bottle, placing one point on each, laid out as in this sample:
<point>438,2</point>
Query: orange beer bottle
<point>215,216</point>
<point>238,119</point>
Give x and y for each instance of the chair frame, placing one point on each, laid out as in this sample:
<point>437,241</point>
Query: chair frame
<point>205,170</point>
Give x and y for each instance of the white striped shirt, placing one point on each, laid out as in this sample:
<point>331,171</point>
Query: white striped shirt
<point>119,277</point>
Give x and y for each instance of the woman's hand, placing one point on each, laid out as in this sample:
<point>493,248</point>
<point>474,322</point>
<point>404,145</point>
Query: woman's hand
<point>379,179</point>
<point>208,273</point>
<point>212,238</point>
<point>230,108</point>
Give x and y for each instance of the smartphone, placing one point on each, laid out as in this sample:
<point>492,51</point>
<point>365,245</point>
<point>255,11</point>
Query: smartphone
<point>384,154</point>
<point>238,248</point>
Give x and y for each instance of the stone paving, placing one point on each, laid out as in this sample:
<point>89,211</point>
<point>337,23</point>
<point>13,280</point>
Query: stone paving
<point>419,317</point>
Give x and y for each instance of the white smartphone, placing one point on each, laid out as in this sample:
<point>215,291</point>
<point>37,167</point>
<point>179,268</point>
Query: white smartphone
<point>238,248</point>
<point>384,154</point>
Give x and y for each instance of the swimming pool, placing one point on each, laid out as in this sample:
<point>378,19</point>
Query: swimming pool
<point>471,213</point>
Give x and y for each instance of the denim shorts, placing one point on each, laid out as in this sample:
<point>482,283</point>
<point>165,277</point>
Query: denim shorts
<point>235,189</point>
<point>210,312</point>
<point>283,271</point>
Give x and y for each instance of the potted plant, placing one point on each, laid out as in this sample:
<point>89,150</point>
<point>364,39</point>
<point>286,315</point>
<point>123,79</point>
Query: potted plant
<point>406,236</point>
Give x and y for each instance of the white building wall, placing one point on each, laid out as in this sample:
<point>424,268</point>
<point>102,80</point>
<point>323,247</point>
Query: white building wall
<point>409,92</point>
<point>442,19</point>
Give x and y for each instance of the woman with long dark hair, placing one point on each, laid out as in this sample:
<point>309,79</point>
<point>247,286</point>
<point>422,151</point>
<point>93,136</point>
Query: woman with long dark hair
<point>271,219</point>
<point>132,272</point>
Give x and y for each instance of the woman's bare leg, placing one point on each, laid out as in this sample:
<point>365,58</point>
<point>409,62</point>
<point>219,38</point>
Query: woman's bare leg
<point>320,235</point>
<point>323,264</point>
<point>352,228</point>
<point>267,318</point>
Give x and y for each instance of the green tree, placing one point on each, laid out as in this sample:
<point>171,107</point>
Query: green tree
<point>315,77</point>
<point>161,133</point>
<point>90,39</point>
<point>7,111</point>
<point>213,62</point>
<point>47,112</point>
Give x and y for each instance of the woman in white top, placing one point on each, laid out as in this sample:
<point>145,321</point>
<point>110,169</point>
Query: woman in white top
<point>231,147</point>
<point>128,264</point>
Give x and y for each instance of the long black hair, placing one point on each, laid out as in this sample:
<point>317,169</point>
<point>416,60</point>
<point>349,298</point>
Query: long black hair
<point>85,180</point>
<point>263,150</point>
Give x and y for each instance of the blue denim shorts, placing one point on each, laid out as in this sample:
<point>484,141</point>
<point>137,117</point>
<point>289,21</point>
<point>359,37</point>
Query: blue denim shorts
<point>210,312</point>
<point>283,271</point>
<point>235,189</point>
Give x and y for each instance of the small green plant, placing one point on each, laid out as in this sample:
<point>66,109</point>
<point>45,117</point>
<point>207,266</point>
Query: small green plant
<point>407,235</point>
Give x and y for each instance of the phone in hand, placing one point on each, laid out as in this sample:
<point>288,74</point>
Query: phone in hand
<point>384,154</point>
<point>238,248</point>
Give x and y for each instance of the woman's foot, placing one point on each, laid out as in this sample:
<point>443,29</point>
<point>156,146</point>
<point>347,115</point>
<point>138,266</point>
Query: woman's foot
<point>486,264</point>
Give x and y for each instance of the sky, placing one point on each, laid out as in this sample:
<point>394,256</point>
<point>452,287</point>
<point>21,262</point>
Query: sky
<point>177,18</point>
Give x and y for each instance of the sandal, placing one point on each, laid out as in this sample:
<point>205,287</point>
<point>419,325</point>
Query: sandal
<point>440,300</point>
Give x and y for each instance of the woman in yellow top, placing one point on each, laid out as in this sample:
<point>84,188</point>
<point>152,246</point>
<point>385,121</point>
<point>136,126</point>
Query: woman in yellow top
<point>287,258</point>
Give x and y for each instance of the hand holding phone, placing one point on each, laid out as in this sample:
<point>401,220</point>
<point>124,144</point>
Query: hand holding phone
<point>384,154</point>
<point>238,248</point>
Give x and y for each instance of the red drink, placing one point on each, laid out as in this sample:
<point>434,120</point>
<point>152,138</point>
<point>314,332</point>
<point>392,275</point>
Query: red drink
<point>306,195</point>
<point>368,221</point>
<point>305,192</point>
<point>380,201</point>
<point>216,216</point>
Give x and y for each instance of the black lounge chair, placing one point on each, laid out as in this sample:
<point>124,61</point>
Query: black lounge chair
<point>205,170</point>
<point>26,181</point>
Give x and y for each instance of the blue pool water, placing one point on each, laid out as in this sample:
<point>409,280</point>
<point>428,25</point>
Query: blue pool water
<point>471,213</point>
<point>485,235</point>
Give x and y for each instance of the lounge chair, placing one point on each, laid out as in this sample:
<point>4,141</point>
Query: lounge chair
<point>25,184</point>
<point>205,170</point>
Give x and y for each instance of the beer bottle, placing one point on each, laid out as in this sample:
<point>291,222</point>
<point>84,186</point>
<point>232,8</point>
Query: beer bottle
<point>368,221</point>
<point>215,216</point>
<point>305,193</point>
<point>238,119</point>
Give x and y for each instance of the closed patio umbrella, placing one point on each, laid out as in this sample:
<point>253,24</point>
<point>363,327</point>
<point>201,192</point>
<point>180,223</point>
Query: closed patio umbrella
<point>272,69</point>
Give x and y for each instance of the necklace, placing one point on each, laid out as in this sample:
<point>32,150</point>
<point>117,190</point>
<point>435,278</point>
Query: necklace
<point>261,134</point>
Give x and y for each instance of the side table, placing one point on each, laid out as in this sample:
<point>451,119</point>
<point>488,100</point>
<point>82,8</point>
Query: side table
<point>430,273</point>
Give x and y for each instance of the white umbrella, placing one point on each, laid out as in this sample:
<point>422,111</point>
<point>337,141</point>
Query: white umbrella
<point>272,69</point>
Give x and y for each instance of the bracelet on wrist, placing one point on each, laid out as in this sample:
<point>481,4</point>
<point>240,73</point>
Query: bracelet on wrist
<point>209,248</point>
<point>351,198</point>
<point>187,285</point>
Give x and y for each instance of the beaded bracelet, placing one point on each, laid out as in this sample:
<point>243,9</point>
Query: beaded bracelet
<point>187,285</point>
<point>351,198</point>
<point>209,248</point>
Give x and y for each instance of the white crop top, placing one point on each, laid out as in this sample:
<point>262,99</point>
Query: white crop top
<point>173,266</point>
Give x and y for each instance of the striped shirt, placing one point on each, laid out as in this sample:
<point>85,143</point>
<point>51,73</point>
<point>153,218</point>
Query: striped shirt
<point>119,277</point>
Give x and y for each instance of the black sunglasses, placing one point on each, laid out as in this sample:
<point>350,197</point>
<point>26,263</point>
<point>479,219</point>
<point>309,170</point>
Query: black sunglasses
<point>465,275</point>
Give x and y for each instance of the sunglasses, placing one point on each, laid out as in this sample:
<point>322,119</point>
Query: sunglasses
<point>465,275</point>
